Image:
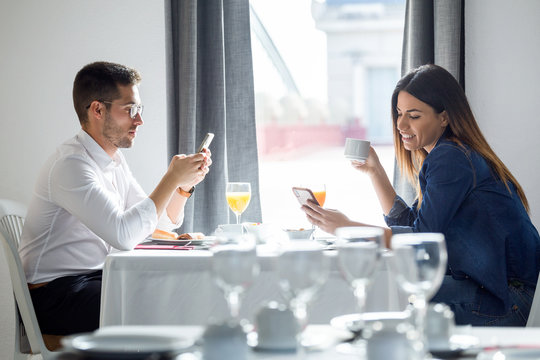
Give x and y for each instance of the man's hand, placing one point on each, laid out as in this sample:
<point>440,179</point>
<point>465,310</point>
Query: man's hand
<point>189,170</point>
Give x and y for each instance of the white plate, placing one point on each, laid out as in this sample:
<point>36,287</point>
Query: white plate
<point>126,346</point>
<point>510,354</point>
<point>204,241</point>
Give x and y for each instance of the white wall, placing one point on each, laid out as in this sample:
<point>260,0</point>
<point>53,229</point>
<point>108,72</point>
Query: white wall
<point>502,49</point>
<point>42,46</point>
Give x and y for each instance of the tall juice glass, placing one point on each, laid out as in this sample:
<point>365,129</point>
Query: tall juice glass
<point>319,191</point>
<point>238,197</point>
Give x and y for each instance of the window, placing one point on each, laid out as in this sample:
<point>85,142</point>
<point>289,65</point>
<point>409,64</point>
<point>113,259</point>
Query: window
<point>323,71</point>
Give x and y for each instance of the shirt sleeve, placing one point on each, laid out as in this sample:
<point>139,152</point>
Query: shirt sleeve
<point>165,223</point>
<point>137,194</point>
<point>76,187</point>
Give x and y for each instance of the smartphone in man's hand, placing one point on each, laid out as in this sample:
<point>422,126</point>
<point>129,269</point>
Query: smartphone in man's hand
<point>206,142</point>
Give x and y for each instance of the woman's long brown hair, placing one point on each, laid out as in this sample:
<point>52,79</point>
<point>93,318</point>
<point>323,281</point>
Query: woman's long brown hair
<point>436,87</point>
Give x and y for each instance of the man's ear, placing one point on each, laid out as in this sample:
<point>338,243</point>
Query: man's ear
<point>96,110</point>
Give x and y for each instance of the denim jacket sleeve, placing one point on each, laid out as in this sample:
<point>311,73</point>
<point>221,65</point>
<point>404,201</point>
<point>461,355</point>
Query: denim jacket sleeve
<point>446,178</point>
<point>401,217</point>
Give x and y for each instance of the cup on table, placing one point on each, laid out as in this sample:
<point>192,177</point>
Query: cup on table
<point>276,327</point>
<point>440,326</point>
<point>356,149</point>
<point>225,340</point>
<point>390,335</point>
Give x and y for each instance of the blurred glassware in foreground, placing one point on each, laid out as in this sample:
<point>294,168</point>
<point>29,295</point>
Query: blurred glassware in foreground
<point>302,269</point>
<point>234,267</point>
<point>358,255</point>
<point>419,265</point>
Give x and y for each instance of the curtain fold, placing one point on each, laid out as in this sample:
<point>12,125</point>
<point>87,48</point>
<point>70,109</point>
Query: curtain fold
<point>433,34</point>
<point>210,89</point>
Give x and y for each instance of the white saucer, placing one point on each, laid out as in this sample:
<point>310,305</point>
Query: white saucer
<point>126,346</point>
<point>456,345</point>
<point>510,354</point>
<point>355,322</point>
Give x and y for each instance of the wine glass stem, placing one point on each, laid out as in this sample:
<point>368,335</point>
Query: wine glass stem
<point>237,218</point>
<point>420,309</point>
<point>299,309</point>
<point>360,294</point>
<point>233,300</point>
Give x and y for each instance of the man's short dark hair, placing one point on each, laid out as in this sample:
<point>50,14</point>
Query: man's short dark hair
<point>99,81</point>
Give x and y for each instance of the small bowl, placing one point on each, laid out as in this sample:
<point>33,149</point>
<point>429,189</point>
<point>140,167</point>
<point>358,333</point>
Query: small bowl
<point>299,234</point>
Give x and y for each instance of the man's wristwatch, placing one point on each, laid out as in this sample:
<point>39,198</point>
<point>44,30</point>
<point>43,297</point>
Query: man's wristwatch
<point>185,193</point>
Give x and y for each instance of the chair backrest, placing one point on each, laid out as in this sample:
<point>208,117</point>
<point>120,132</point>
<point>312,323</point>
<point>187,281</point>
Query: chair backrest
<point>23,301</point>
<point>534,315</point>
<point>12,215</point>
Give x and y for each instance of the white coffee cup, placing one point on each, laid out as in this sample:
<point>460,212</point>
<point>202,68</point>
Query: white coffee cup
<point>225,340</point>
<point>439,327</point>
<point>276,327</point>
<point>356,149</point>
<point>391,335</point>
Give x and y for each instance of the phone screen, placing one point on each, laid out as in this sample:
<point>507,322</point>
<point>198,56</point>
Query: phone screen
<point>303,195</point>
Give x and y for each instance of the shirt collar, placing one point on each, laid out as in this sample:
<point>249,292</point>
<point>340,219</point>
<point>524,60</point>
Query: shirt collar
<point>97,153</point>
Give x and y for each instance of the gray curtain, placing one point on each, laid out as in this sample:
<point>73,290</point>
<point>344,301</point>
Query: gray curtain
<point>210,89</point>
<point>434,34</point>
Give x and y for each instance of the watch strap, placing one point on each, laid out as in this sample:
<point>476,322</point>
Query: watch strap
<point>184,193</point>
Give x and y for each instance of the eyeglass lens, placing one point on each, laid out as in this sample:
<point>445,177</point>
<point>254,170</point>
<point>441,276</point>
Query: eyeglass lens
<point>136,109</point>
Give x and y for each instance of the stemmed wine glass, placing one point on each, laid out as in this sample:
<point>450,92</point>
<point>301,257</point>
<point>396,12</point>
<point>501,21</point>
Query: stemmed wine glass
<point>238,197</point>
<point>302,269</point>
<point>358,254</point>
<point>234,267</point>
<point>419,264</point>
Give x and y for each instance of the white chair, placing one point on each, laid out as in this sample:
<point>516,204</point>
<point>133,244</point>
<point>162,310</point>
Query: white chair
<point>28,339</point>
<point>534,315</point>
<point>12,215</point>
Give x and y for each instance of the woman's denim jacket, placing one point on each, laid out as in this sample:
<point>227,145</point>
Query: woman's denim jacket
<point>489,235</point>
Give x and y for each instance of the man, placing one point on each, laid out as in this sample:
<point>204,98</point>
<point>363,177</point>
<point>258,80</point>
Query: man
<point>87,203</point>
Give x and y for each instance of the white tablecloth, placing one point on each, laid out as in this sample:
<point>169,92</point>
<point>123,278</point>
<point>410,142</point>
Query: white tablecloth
<point>487,336</point>
<point>175,287</point>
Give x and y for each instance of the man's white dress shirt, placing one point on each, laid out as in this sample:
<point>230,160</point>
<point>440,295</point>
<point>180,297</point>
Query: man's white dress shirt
<point>85,203</point>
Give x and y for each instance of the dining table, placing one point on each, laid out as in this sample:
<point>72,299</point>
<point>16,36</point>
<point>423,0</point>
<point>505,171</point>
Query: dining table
<point>491,343</point>
<point>177,287</point>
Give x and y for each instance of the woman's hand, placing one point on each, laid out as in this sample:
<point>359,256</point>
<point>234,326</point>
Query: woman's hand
<point>327,219</point>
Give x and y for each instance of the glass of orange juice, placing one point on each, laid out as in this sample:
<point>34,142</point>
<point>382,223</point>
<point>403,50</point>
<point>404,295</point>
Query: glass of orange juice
<point>238,196</point>
<point>319,190</point>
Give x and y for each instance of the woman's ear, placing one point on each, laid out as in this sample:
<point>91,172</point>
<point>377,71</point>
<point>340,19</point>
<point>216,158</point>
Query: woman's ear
<point>443,117</point>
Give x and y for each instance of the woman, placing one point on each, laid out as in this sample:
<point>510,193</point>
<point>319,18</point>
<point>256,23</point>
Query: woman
<point>463,191</point>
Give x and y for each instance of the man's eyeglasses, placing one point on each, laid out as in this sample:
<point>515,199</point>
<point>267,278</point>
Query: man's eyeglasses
<point>133,109</point>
